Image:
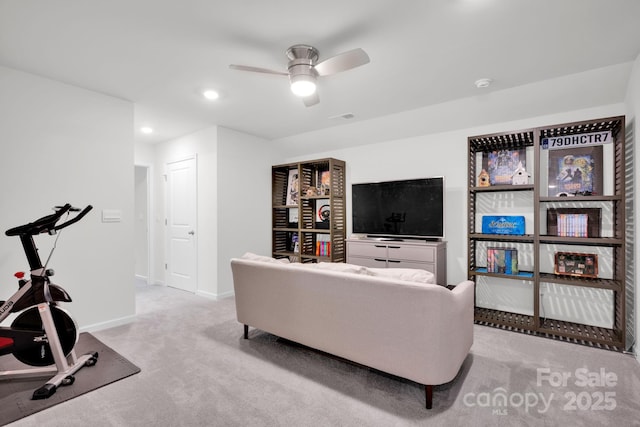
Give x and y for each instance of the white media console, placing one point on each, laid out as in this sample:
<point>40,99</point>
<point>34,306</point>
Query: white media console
<point>381,253</point>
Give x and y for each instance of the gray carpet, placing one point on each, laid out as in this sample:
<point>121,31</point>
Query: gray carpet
<point>197,370</point>
<point>15,395</point>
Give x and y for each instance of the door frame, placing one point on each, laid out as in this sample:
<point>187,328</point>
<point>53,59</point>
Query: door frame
<point>149,231</point>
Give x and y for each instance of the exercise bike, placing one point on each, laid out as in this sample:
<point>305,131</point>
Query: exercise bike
<point>42,334</point>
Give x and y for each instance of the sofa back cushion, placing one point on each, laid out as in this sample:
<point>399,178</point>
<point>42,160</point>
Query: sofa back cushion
<point>254,257</point>
<point>407,274</point>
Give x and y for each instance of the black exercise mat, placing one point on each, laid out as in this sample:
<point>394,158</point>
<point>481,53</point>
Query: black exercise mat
<point>15,395</point>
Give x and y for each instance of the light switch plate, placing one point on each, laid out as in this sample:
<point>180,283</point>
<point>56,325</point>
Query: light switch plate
<point>111,215</point>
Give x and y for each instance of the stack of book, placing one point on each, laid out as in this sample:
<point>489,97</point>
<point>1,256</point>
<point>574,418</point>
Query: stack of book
<point>502,260</point>
<point>323,245</point>
<point>573,225</point>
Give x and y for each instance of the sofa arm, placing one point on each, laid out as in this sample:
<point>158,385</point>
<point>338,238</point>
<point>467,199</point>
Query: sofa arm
<point>462,308</point>
<point>457,324</point>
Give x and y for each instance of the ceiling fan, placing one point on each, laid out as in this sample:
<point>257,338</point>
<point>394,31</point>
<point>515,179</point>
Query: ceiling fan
<point>303,69</point>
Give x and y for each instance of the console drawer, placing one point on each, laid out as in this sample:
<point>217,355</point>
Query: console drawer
<point>429,266</point>
<point>368,262</point>
<point>412,253</point>
<point>356,249</point>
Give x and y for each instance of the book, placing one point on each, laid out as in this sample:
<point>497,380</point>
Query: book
<point>501,165</point>
<point>573,225</point>
<point>573,222</point>
<point>502,260</point>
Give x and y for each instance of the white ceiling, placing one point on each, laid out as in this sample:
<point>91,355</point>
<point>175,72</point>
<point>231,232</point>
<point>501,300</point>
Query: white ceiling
<point>160,54</point>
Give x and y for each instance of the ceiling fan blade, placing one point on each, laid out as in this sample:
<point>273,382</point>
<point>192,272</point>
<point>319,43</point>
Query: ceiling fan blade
<point>257,69</point>
<point>342,62</point>
<point>311,100</point>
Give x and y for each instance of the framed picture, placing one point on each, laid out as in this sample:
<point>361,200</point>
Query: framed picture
<point>502,164</point>
<point>576,264</point>
<point>323,213</point>
<point>293,187</point>
<point>325,182</point>
<point>575,171</point>
<point>573,222</point>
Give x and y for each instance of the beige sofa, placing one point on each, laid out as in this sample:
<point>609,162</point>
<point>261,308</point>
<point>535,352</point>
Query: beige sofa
<point>419,331</point>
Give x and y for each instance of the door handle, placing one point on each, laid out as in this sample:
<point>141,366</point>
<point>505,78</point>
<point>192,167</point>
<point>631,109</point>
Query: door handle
<point>192,232</point>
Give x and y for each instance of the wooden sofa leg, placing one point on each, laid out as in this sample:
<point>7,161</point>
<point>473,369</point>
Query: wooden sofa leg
<point>428,394</point>
<point>246,332</point>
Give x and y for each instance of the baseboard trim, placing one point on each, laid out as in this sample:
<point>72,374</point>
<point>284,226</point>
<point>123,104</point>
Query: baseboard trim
<point>108,324</point>
<point>215,297</point>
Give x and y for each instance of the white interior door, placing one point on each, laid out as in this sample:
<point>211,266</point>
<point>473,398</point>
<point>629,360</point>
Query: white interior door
<point>181,225</point>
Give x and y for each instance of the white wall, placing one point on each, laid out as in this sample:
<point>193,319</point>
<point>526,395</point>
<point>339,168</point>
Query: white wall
<point>65,144</point>
<point>633,115</point>
<point>442,154</point>
<point>234,185</point>
<point>244,200</point>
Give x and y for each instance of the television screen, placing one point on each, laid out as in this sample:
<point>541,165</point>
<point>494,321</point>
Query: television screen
<point>408,208</point>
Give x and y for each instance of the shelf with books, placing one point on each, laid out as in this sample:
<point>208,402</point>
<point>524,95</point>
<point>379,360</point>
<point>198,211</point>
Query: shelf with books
<point>482,271</point>
<point>575,220</point>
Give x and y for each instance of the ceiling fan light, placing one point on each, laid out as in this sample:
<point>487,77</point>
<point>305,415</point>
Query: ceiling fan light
<point>303,85</point>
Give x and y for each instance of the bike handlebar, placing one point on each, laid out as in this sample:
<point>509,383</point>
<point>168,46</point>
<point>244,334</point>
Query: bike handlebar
<point>48,223</point>
<point>75,219</point>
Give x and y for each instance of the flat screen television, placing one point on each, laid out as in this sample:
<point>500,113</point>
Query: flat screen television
<point>410,208</point>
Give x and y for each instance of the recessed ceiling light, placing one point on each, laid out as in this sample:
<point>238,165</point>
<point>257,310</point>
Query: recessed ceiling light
<point>482,83</point>
<point>146,130</point>
<point>211,94</point>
